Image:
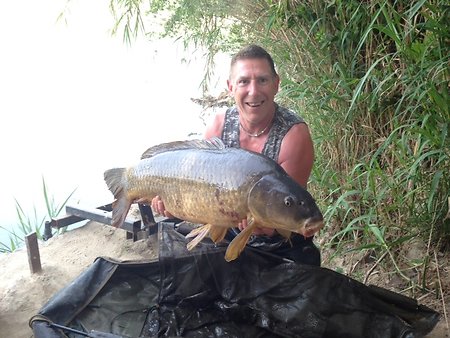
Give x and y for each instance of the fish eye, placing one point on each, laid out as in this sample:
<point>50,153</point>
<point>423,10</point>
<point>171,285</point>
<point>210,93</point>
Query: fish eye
<point>288,201</point>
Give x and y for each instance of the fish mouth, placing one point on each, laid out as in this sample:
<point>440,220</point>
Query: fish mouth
<point>312,226</point>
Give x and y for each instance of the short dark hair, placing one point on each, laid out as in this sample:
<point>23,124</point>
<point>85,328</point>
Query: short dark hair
<point>253,52</point>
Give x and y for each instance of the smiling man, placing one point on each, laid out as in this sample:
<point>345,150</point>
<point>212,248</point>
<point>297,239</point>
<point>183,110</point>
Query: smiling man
<point>259,124</point>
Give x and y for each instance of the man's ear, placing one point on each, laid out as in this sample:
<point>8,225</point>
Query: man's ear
<point>230,87</point>
<point>277,79</point>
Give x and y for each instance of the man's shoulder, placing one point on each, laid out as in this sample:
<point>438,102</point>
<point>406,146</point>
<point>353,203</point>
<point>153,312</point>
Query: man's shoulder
<point>215,124</point>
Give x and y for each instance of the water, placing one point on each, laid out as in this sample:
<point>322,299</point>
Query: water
<point>75,101</point>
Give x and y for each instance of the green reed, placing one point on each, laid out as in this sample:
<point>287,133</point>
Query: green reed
<point>375,90</point>
<point>32,222</point>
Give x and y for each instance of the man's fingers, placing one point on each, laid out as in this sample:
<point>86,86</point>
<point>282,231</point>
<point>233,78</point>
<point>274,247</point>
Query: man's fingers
<point>158,205</point>
<point>161,208</point>
<point>242,224</point>
<point>257,231</point>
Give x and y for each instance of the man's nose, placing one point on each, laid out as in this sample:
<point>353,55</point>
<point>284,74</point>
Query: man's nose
<point>253,87</point>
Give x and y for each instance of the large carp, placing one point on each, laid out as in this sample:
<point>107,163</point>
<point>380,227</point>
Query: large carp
<point>203,182</point>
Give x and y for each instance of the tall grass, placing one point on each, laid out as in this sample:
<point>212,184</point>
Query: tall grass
<point>28,223</point>
<point>372,79</point>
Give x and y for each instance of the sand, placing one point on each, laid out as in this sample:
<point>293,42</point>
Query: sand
<point>63,258</point>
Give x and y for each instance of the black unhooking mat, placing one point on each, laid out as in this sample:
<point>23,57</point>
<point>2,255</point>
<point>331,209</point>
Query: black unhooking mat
<point>199,294</point>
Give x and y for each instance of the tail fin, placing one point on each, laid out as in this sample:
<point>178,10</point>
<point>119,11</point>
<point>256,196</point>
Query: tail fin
<point>116,181</point>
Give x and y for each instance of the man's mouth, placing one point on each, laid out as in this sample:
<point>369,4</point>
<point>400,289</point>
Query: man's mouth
<point>254,104</point>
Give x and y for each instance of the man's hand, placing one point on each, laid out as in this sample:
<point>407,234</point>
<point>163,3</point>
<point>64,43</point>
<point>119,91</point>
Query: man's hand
<point>159,208</point>
<point>258,231</point>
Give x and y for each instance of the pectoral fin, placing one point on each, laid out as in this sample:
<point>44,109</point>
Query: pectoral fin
<point>217,234</point>
<point>285,233</point>
<point>199,234</point>
<point>194,232</point>
<point>238,243</point>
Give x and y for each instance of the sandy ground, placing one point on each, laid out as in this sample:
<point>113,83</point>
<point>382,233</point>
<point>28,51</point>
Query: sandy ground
<point>63,258</point>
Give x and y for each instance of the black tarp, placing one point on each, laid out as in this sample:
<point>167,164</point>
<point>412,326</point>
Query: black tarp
<point>198,294</point>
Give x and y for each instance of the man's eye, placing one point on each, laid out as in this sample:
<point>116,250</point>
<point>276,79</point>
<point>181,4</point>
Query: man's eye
<point>263,80</point>
<point>242,82</point>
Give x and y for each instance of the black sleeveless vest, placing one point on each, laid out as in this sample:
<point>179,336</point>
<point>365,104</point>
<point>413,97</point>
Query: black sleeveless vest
<point>283,121</point>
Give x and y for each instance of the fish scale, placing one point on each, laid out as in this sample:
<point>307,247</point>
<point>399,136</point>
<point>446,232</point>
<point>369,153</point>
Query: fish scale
<point>203,182</point>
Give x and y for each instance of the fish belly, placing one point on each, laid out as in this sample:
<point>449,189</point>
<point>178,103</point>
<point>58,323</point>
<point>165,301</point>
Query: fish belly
<point>196,186</point>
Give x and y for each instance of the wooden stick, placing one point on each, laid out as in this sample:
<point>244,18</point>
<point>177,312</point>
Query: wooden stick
<point>34,259</point>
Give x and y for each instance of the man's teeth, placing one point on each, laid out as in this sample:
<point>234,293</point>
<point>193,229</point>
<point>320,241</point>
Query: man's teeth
<point>254,104</point>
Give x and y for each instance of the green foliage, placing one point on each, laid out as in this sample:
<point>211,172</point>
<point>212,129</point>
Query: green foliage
<point>128,15</point>
<point>371,78</point>
<point>200,24</point>
<point>27,224</point>
<point>378,75</point>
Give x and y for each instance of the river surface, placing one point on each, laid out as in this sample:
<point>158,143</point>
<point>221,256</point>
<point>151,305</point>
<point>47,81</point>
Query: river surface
<point>75,101</point>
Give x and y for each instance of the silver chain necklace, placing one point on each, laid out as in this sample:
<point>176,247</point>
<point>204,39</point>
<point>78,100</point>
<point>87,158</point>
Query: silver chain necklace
<point>259,133</point>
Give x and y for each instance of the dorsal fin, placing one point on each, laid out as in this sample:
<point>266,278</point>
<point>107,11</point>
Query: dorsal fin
<point>213,143</point>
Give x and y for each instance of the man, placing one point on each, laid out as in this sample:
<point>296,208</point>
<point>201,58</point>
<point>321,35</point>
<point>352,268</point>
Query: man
<point>259,124</point>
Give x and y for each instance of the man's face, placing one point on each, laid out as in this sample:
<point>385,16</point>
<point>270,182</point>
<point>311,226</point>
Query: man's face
<point>253,86</point>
